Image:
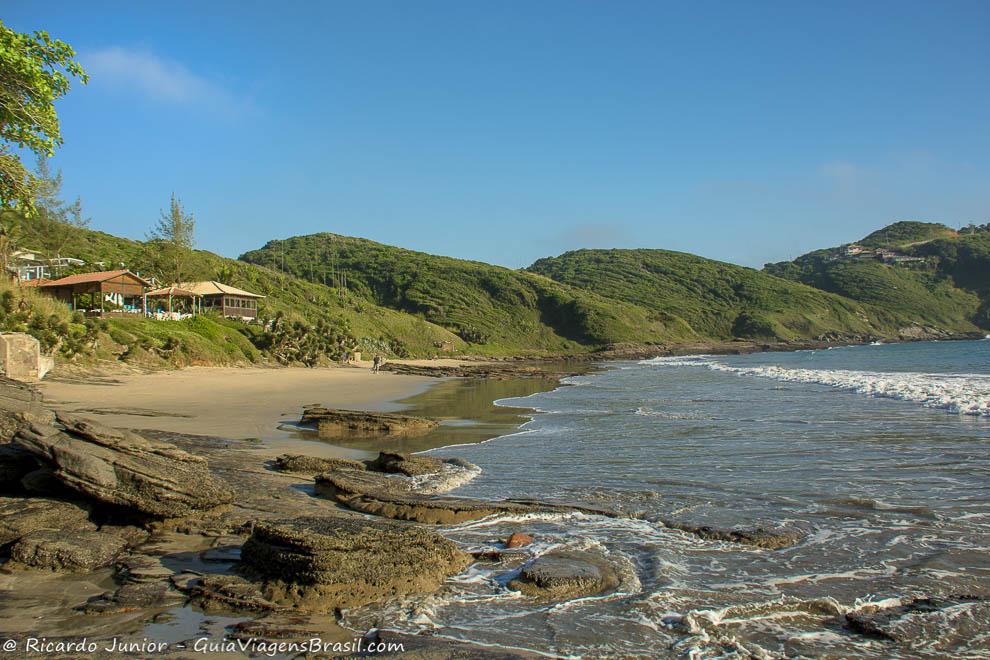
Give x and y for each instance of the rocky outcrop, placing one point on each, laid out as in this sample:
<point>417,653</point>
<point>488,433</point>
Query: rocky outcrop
<point>486,370</point>
<point>68,551</point>
<point>123,468</point>
<point>302,464</point>
<point>15,464</point>
<point>394,497</point>
<point>228,592</point>
<point>759,537</point>
<point>565,574</point>
<point>144,583</point>
<point>410,465</point>
<point>346,562</point>
<point>332,422</point>
<point>20,516</point>
<point>44,483</point>
<point>20,405</point>
<point>377,494</point>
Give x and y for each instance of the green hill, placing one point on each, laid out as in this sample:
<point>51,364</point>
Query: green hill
<point>949,290</point>
<point>714,299</point>
<point>376,329</point>
<point>907,233</point>
<point>333,290</point>
<point>495,309</point>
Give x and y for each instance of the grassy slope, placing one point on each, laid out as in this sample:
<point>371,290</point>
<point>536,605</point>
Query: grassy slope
<point>377,328</point>
<point>950,291</point>
<point>717,300</point>
<point>497,310</point>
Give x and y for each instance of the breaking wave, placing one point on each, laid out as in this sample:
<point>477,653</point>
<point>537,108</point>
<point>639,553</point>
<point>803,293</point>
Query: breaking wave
<point>454,473</point>
<point>965,394</point>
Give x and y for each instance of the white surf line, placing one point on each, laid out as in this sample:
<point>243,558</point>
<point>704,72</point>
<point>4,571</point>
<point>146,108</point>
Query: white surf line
<point>965,394</point>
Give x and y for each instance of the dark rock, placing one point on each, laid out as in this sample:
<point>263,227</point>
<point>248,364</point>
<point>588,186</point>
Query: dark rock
<point>566,574</point>
<point>759,537</point>
<point>408,464</point>
<point>134,597</point>
<point>332,422</point>
<point>20,405</point>
<point>394,497</point>
<point>142,569</point>
<point>226,592</point>
<point>518,540</point>
<point>43,481</point>
<point>19,516</point>
<point>327,563</point>
<point>488,555</point>
<point>486,370</point>
<point>67,551</point>
<point>132,536</point>
<point>391,497</point>
<point>313,464</point>
<point>125,469</point>
<point>15,463</point>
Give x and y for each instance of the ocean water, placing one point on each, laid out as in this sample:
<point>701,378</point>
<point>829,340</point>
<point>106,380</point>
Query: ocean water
<point>879,455</point>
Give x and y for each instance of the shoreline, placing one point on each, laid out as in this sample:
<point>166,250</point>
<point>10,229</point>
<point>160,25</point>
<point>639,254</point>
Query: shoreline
<point>229,402</point>
<point>264,493</point>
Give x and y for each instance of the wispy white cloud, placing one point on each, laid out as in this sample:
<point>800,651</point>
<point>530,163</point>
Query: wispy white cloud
<point>158,78</point>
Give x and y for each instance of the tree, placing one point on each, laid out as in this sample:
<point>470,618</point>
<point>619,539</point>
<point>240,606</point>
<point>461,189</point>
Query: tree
<point>225,274</point>
<point>56,219</point>
<point>173,238</point>
<point>10,232</point>
<point>35,71</point>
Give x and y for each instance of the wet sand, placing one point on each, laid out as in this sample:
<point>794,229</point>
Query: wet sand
<point>228,402</point>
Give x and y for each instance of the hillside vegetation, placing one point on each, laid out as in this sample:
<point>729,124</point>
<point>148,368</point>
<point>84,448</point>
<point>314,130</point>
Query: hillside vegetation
<point>949,290</point>
<point>212,340</point>
<point>906,233</point>
<point>330,293</point>
<point>496,310</point>
<point>582,300</point>
<point>713,299</point>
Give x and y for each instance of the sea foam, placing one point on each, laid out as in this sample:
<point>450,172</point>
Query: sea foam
<point>965,394</point>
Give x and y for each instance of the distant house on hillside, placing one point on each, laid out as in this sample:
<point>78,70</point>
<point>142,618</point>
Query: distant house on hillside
<point>854,250</point>
<point>895,258</point>
<point>59,264</point>
<point>225,300</point>
<point>100,292</point>
<point>30,265</point>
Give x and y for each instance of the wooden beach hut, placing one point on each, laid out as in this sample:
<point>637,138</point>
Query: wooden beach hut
<point>225,300</point>
<point>117,291</point>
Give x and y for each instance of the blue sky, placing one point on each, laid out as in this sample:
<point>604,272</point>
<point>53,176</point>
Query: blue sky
<point>505,131</point>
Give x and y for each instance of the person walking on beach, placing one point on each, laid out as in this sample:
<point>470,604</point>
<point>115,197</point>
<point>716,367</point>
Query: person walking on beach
<point>376,364</point>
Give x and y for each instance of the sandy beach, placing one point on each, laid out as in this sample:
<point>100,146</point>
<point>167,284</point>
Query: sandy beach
<point>231,403</point>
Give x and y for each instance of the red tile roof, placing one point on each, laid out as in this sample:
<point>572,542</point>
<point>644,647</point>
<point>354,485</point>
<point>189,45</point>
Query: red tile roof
<point>102,276</point>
